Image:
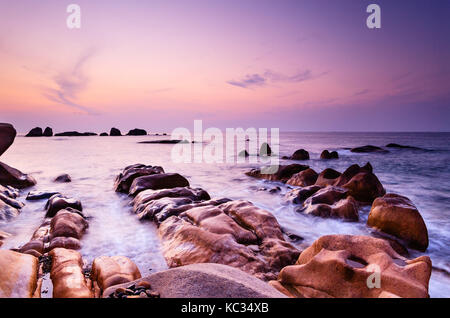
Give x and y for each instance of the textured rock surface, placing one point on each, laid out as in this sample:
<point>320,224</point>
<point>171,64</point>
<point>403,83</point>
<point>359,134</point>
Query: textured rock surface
<point>396,215</point>
<point>283,174</point>
<point>59,202</point>
<point>157,182</point>
<point>7,136</point>
<point>304,178</point>
<point>125,179</point>
<point>13,177</point>
<point>205,281</point>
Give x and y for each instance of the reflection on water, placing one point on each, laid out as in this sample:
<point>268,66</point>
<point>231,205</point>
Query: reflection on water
<point>93,162</point>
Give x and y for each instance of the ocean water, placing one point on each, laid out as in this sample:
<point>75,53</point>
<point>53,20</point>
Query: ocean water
<point>93,162</point>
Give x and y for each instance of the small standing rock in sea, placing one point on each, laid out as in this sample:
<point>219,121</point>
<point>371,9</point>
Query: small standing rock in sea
<point>140,290</point>
<point>64,178</point>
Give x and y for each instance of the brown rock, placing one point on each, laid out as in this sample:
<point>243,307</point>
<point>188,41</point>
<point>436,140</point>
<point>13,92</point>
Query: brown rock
<point>109,271</point>
<point>125,179</point>
<point>283,174</point>
<point>396,215</point>
<point>341,266</point>
<point>326,155</point>
<point>365,187</point>
<point>13,177</point>
<point>304,178</point>
<point>64,178</point>
<point>7,212</point>
<point>300,154</point>
<point>7,136</point>
<point>67,223</point>
<point>67,275</point>
<point>158,181</point>
<point>3,236</point>
<point>299,195</point>
<point>327,177</point>
<point>18,274</point>
<point>59,202</point>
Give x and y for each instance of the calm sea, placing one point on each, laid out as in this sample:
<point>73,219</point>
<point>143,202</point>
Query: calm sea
<point>93,163</point>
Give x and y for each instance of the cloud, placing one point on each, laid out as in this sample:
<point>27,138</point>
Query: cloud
<point>362,92</point>
<point>70,84</point>
<point>254,80</point>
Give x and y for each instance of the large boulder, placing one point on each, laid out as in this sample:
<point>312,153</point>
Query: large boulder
<point>67,275</point>
<point>304,178</point>
<point>7,136</point>
<point>299,195</point>
<point>35,132</point>
<point>13,177</point>
<point>204,281</point>
<point>109,271</point>
<point>115,132</point>
<point>68,223</point>
<point>137,132</point>
<point>396,215</point>
<point>158,181</point>
<point>283,174</point>
<point>327,177</point>
<point>59,202</point>
<point>235,233</point>
<point>18,275</point>
<point>48,132</point>
<point>346,266</point>
<point>329,155</point>
<point>126,177</point>
<point>300,154</point>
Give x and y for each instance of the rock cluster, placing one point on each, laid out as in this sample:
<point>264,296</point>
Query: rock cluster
<point>329,155</point>
<point>9,206</point>
<point>37,132</point>
<point>300,154</point>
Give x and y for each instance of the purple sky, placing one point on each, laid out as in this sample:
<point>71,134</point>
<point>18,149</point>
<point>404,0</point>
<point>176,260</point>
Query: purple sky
<point>297,65</point>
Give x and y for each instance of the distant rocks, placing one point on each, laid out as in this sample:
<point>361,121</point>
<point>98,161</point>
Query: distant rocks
<point>265,150</point>
<point>243,153</point>
<point>63,178</point>
<point>300,154</point>
<point>48,132</point>
<point>165,141</point>
<point>402,147</point>
<point>75,134</point>
<point>369,149</point>
<point>7,136</point>
<point>137,132</point>
<point>115,132</point>
<point>396,215</point>
<point>104,134</point>
<point>37,132</point>
<point>329,155</point>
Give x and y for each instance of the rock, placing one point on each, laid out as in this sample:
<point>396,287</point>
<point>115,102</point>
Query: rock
<point>7,136</point>
<point>36,245</point>
<point>125,179</point>
<point>68,223</point>
<point>369,149</point>
<point>67,275</point>
<point>396,215</point>
<point>158,181</point>
<point>283,174</point>
<point>48,132</point>
<point>365,187</point>
<point>165,141</point>
<point>75,134</point>
<point>18,275</point>
<point>35,132</point>
<point>265,150</point>
<point>59,202</point>
<point>70,243</point>
<point>9,191</point>
<point>341,266</point>
<point>104,134</point>
<point>115,132</point>
<point>11,202</point>
<point>329,155</point>
<point>235,233</point>
<point>299,195</point>
<point>402,147</point>
<point>7,212</point>
<point>244,153</point>
<point>304,178</point>
<point>3,236</point>
<point>137,132</point>
<point>300,154</point>
<point>109,271</point>
<point>327,177</point>
<point>13,177</point>
<point>205,281</point>
<point>40,195</point>
<point>64,178</point>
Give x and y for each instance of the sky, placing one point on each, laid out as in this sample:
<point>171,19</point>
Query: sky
<point>310,65</point>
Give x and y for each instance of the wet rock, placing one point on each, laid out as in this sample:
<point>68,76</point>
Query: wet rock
<point>40,195</point>
<point>283,174</point>
<point>304,178</point>
<point>300,154</point>
<point>392,145</point>
<point>7,136</point>
<point>13,177</point>
<point>213,235</point>
<point>18,275</point>
<point>59,202</point>
<point>396,215</point>
<point>166,141</point>
<point>7,212</point>
<point>64,178</point>
<point>369,149</point>
<point>137,132</point>
<point>265,150</point>
<point>161,209</point>
<point>67,275</point>
<point>35,132</point>
<point>115,132</point>
<point>327,177</point>
<point>299,195</point>
<point>158,181</point>
<point>68,223</point>
<point>10,201</point>
<point>104,134</point>
<point>9,191</point>
<point>126,177</point>
<point>329,155</point>
<point>204,281</point>
<point>48,132</point>
<point>109,271</point>
<point>365,187</point>
<point>341,266</point>
<point>3,236</point>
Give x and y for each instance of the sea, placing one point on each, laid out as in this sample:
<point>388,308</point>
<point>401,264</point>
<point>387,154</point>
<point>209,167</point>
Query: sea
<point>422,175</point>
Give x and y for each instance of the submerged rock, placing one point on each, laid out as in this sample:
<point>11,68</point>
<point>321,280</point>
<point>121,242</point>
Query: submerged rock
<point>343,266</point>
<point>204,281</point>
<point>64,178</point>
<point>369,149</point>
<point>396,215</point>
<point>283,174</point>
<point>7,136</point>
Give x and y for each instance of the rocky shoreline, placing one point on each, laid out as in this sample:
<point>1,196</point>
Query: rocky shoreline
<point>211,242</point>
